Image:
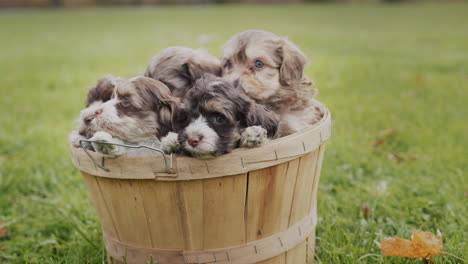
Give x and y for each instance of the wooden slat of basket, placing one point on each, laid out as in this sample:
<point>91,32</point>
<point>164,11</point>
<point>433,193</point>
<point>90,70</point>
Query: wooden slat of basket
<point>164,225</point>
<point>190,200</point>
<point>313,206</point>
<point>302,201</point>
<point>223,209</point>
<point>205,208</point>
<point>126,213</point>
<point>269,203</point>
<point>101,207</point>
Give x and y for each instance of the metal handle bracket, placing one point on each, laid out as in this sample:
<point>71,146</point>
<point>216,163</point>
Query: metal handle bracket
<point>167,162</point>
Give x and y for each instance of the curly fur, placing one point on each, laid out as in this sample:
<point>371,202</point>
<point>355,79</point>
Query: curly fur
<point>214,116</point>
<point>180,67</point>
<point>280,84</point>
<point>138,112</point>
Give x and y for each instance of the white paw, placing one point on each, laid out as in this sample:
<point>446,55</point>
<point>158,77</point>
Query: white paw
<point>253,136</point>
<point>74,138</point>
<point>170,143</point>
<point>107,150</point>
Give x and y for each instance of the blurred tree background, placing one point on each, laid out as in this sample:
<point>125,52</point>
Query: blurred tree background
<point>80,3</point>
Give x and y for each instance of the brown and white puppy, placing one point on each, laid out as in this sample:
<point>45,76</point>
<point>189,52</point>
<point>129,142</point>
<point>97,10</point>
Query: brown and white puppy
<point>270,69</point>
<point>97,95</point>
<point>180,67</point>
<point>138,113</point>
<point>215,118</point>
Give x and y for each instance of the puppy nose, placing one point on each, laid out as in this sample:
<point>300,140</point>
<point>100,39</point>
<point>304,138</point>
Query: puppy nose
<point>193,141</point>
<point>97,112</point>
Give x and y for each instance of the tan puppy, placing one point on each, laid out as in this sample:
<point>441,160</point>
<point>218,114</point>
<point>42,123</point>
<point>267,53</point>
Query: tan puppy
<point>270,69</point>
<point>180,67</point>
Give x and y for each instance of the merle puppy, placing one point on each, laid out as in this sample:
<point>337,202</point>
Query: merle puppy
<point>215,118</point>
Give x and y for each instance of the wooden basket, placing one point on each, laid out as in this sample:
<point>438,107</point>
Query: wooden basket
<point>250,206</point>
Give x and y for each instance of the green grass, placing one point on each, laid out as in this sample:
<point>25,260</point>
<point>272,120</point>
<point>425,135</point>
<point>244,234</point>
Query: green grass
<point>378,67</point>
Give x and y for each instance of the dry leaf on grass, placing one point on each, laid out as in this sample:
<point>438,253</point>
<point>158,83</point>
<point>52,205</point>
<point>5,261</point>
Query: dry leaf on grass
<point>424,244</point>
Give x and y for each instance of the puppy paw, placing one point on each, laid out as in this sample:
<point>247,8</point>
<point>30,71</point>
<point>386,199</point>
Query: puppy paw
<point>107,150</point>
<point>253,136</point>
<point>170,143</point>
<point>74,138</point>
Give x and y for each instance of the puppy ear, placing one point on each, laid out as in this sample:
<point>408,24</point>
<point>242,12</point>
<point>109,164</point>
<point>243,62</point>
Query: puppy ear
<point>180,117</point>
<point>167,107</point>
<point>165,120</point>
<point>195,71</point>
<point>159,99</point>
<point>258,115</point>
<point>292,66</point>
<point>102,91</point>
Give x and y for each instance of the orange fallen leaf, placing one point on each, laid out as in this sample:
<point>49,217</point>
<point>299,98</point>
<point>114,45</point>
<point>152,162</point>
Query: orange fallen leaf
<point>423,245</point>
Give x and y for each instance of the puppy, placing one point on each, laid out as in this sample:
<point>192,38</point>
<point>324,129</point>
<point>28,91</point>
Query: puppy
<point>180,67</point>
<point>97,95</point>
<point>139,112</point>
<point>216,118</point>
<point>270,70</point>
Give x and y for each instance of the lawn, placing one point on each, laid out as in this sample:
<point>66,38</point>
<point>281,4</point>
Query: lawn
<point>400,71</point>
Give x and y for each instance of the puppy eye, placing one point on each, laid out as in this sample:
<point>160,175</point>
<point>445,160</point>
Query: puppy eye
<point>259,64</point>
<point>125,102</point>
<point>219,119</point>
<point>228,64</point>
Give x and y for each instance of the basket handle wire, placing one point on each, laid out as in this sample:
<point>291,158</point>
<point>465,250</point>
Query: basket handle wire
<point>167,163</point>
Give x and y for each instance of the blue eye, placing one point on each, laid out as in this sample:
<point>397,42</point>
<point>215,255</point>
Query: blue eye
<point>125,102</point>
<point>259,64</point>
